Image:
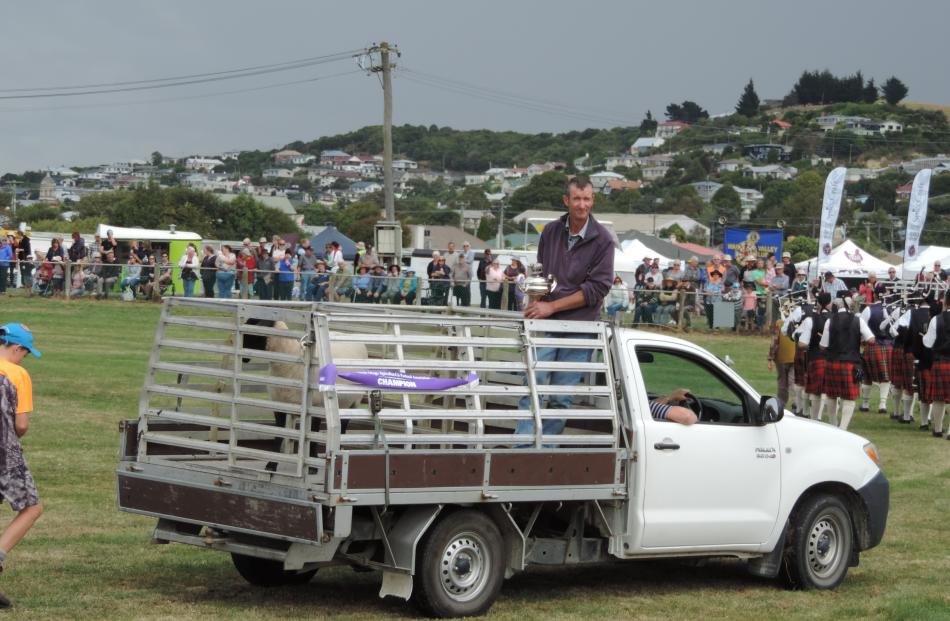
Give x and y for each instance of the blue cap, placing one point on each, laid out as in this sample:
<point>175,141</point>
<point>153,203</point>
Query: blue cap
<point>18,334</point>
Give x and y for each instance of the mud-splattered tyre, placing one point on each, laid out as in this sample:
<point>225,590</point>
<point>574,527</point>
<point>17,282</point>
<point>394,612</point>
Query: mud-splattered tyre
<point>821,546</point>
<point>268,573</point>
<point>460,566</point>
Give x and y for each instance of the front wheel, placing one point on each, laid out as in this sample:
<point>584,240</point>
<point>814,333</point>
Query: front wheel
<point>268,573</point>
<point>822,542</point>
<point>460,566</point>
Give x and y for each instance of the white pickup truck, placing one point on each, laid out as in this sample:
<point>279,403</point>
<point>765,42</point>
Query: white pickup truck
<point>399,452</point>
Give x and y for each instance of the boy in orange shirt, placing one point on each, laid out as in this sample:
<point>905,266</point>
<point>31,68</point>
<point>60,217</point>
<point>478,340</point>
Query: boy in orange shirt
<point>16,402</point>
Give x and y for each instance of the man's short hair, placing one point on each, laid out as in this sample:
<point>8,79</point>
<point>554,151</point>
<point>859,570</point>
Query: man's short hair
<point>578,181</point>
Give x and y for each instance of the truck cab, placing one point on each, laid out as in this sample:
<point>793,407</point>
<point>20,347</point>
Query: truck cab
<point>298,436</point>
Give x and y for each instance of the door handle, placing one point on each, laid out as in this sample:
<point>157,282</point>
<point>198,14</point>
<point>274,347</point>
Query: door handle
<point>666,446</point>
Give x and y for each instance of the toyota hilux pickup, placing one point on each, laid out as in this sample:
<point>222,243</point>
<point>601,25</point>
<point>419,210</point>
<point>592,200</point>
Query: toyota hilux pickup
<point>384,438</point>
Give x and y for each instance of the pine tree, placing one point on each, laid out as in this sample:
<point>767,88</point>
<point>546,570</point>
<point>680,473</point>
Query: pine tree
<point>870,94</point>
<point>648,125</point>
<point>894,90</point>
<point>749,101</point>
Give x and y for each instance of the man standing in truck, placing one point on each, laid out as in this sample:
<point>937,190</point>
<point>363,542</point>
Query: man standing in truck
<point>578,251</point>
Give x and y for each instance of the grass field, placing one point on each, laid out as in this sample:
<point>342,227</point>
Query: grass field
<point>929,106</point>
<point>87,560</point>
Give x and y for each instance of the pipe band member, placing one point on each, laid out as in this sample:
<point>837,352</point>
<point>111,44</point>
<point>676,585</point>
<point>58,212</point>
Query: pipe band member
<point>809,338</point>
<point>841,340</point>
<point>876,357</point>
<point>937,340</point>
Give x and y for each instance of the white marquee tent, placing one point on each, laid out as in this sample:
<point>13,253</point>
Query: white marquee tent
<point>629,257</point>
<point>925,260</point>
<point>848,260</point>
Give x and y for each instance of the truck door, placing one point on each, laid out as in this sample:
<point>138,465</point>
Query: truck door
<point>715,483</point>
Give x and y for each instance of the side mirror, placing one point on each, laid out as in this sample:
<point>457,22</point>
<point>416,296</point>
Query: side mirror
<point>771,410</point>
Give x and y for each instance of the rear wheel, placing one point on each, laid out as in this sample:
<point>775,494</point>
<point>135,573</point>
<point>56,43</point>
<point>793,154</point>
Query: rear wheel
<point>268,573</point>
<point>822,542</point>
<point>460,566</point>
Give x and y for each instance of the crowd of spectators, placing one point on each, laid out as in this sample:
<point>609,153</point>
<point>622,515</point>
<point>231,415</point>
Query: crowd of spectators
<point>276,269</point>
<point>80,271</point>
<point>684,291</point>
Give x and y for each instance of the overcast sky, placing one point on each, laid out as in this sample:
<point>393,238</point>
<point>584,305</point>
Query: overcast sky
<point>608,61</point>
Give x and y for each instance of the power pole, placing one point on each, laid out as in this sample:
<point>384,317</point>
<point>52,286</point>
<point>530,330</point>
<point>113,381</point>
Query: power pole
<point>13,202</point>
<point>462,205</point>
<point>501,227</point>
<point>386,68</point>
<point>388,231</point>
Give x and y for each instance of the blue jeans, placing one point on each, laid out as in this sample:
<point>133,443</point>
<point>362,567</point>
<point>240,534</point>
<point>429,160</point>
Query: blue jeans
<point>131,283</point>
<point>305,292</point>
<point>189,286</point>
<point>613,307</point>
<point>554,426</point>
<point>225,284</point>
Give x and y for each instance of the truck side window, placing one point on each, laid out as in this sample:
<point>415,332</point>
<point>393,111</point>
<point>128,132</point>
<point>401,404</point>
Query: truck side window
<point>664,372</point>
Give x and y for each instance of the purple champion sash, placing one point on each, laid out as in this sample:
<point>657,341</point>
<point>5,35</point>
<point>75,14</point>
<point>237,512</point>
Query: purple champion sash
<point>393,380</point>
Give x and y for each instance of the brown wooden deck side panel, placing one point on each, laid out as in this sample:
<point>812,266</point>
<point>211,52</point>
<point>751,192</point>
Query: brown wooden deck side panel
<point>538,469</point>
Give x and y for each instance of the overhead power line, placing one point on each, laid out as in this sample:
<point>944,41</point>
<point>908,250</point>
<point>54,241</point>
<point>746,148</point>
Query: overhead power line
<point>122,104</point>
<point>185,80</point>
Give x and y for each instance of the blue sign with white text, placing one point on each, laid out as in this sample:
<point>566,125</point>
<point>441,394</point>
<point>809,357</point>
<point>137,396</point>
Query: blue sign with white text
<point>740,243</point>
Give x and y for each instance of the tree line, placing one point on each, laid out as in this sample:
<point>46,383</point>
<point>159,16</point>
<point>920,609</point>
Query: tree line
<point>822,87</point>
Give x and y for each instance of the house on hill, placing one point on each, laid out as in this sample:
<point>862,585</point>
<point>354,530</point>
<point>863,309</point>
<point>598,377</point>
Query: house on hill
<point>599,179</point>
<point>669,129</point>
<point>645,144</point>
<point>622,223</point>
<point>770,171</point>
<point>47,190</point>
<point>333,159</point>
<point>624,159</point>
<point>286,156</point>
<point>903,191</point>
<point>762,152</point>
<point>277,173</point>
<point>206,164</point>
<point>621,185</point>
<point>437,237</point>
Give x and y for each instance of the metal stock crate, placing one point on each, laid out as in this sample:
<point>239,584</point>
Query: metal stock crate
<point>225,404</point>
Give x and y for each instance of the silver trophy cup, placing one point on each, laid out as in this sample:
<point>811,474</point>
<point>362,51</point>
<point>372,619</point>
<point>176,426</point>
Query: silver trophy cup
<point>536,285</point>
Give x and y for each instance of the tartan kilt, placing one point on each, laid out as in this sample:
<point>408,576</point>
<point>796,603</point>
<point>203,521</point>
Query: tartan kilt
<point>902,369</point>
<point>876,363</point>
<point>815,376</point>
<point>801,366</point>
<point>838,381</point>
<point>938,383</point>
<point>925,380</point>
